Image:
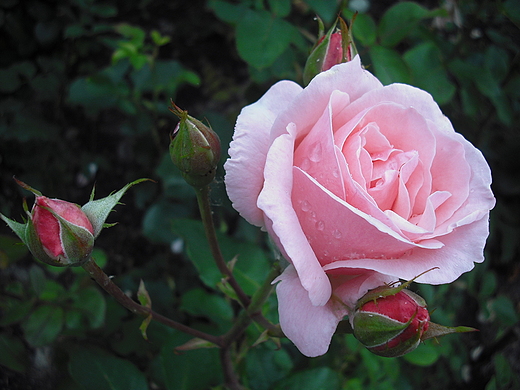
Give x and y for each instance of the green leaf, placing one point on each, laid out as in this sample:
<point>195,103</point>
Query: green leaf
<point>227,12</point>
<point>428,72</point>
<point>14,310</point>
<point>200,303</point>
<point>322,378</point>
<point>14,354</point>
<point>11,249</point>
<point>261,38</point>
<point>389,66</point>
<point>327,10</point>
<point>398,21</point>
<point>95,369</point>
<point>266,366</point>
<point>91,302</point>
<point>193,370</point>
<point>505,310</point>
<point>424,355</point>
<point>364,29</point>
<point>145,300</point>
<point>281,8</point>
<point>252,265</point>
<point>43,325</point>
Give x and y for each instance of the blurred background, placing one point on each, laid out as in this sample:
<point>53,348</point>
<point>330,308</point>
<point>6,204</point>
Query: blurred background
<point>84,91</point>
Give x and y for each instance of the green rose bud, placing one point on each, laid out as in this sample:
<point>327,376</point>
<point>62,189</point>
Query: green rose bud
<point>194,149</point>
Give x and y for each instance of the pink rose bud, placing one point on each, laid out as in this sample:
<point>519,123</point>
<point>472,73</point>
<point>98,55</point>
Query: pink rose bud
<point>390,325</point>
<point>334,48</point>
<point>194,149</point>
<point>61,233</point>
<point>63,230</point>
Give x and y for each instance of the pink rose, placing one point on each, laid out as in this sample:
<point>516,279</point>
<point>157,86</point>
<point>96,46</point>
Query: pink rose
<point>358,184</point>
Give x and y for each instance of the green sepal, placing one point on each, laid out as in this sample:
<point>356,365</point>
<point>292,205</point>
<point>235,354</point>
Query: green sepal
<point>76,240</point>
<point>373,329</point>
<point>318,54</point>
<point>195,343</point>
<point>97,210</point>
<point>386,291</point>
<point>436,330</point>
<point>398,350</point>
<point>17,227</point>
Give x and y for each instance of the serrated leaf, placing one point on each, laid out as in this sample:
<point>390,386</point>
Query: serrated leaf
<point>389,66</point>
<point>261,37</point>
<point>43,325</point>
<point>94,369</point>
<point>398,21</point>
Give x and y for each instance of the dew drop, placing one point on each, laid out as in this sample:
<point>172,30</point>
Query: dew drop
<point>337,234</point>
<point>320,225</point>
<point>316,152</point>
<point>306,164</point>
<point>325,253</point>
<point>306,206</point>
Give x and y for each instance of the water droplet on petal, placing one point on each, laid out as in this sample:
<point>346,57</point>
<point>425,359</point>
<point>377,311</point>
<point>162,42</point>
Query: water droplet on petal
<point>337,234</point>
<point>316,152</point>
<point>305,206</point>
<point>320,225</point>
<point>306,164</point>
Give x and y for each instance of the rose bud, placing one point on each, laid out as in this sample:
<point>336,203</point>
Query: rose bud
<point>334,48</point>
<point>61,233</point>
<point>390,325</point>
<point>57,232</point>
<point>194,149</point>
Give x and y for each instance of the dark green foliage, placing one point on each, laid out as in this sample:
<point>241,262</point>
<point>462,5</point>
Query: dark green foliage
<point>84,91</point>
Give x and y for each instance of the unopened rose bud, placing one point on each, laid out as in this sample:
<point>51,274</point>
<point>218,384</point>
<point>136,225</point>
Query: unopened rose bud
<point>390,325</point>
<point>61,233</point>
<point>331,49</point>
<point>194,149</point>
<point>56,232</point>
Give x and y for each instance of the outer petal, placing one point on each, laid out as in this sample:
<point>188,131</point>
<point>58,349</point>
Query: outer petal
<point>248,150</point>
<point>307,107</point>
<point>463,247</point>
<point>309,327</point>
<point>282,221</point>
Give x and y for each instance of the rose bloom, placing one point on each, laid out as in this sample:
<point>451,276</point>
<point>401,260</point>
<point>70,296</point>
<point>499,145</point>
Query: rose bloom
<point>359,185</point>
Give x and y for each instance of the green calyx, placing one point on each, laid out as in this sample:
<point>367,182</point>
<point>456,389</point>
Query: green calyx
<point>194,149</point>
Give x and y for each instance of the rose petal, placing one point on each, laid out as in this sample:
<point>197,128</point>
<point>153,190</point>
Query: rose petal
<point>275,201</point>
<point>463,247</point>
<point>248,150</point>
<point>352,289</point>
<point>315,153</point>
<point>307,107</point>
<point>309,327</point>
<point>334,227</point>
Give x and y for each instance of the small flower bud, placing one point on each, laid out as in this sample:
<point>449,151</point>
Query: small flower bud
<point>194,149</point>
<point>56,232</point>
<point>331,49</point>
<point>61,233</point>
<point>390,325</point>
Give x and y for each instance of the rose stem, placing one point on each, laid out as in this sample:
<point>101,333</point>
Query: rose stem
<point>110,287</point>
<point>209,228</point>
<point>242,322</point>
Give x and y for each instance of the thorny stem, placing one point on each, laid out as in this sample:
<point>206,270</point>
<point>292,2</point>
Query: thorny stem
<point>209,229</point>
<point>252,312</point>
<point>110,287</point>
